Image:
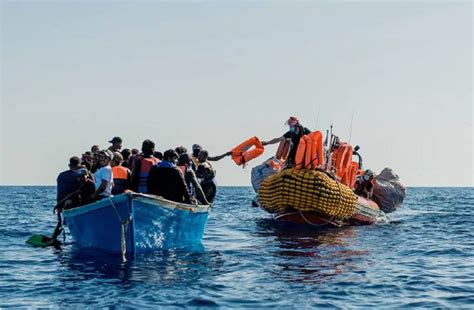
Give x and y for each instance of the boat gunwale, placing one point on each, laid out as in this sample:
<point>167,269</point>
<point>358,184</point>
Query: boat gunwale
<point>165,203</point>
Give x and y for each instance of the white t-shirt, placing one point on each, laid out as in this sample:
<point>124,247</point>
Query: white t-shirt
<point>104,173</point>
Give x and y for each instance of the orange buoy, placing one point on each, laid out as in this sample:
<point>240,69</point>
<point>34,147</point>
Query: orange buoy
<point>244,152</point>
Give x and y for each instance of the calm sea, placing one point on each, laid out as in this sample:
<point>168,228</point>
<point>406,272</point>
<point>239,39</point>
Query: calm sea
<point>423,256</point>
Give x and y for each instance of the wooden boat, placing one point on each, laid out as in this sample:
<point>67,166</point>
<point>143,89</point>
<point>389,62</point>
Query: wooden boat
<point>135,222</point>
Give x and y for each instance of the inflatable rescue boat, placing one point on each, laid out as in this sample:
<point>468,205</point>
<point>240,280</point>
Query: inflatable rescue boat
<point>324,185</point>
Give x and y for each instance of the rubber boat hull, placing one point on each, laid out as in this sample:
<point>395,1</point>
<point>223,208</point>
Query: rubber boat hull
<point>366,213</point>
<point>145,222</point>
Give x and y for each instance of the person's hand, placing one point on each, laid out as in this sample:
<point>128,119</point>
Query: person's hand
<point>228,153</point>
<point>264,143</point>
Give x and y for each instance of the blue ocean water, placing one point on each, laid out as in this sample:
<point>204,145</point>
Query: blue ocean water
<point>423,256</point>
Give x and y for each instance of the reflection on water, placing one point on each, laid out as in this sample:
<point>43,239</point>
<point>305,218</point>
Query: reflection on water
<point>306,254</point>
<point>164,267</point>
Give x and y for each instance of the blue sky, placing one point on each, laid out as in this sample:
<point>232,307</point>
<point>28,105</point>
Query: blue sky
<point>74,74</point>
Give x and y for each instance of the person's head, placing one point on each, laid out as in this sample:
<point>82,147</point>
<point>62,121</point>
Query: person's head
<point>105,156</point>
<point>293,123</point>
<point>87,157</point>
<point>86,165</point>
<point>95,148</point>
<point>184,159</point>
<point>171,156</point>
<point>135,152</point>
<point>117,159</point>
<point>148,147</point>
<point>196,149</point>
<point>116,143</point>
<point>82,174</point>
<point>181,150</point>
<point>126,154</point>
<point>74,163</point>
<point>203,155</point>
<point>158,155</point>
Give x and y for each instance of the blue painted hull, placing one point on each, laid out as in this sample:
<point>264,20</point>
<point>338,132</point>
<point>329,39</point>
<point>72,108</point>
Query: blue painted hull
<point>145,222</point>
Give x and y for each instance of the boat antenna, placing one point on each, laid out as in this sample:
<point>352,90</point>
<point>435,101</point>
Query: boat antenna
<point>350,131</point>
<point>317,118</point>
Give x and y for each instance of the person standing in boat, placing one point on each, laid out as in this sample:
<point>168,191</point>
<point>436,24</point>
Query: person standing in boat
<point>142,166</point>
<point>116,144</point>
<point>294,134</point>
<point>166,179</point>
<point>122,175</point>
<point>103,177</point>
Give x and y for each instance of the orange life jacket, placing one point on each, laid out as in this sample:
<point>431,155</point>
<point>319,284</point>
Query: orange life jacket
<point>121,175</point>
<point>342,160</point>
<point>146,164</point>
<point>309,154</point>
<point>244,152</point>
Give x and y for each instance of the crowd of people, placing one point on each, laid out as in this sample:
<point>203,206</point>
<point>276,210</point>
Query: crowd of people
<point>175,174</point>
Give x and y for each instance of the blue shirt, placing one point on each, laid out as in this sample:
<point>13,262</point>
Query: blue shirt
<point>67,182</point>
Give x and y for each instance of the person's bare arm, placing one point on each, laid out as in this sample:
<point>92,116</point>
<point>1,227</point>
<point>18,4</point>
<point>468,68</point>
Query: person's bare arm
<point>273,141</point>
<point>101,188</point>
<point>216,158</point>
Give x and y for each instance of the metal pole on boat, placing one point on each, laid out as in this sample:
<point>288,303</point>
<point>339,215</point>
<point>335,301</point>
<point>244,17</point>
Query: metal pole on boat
<point>350,131</point>
<point>328,157</point>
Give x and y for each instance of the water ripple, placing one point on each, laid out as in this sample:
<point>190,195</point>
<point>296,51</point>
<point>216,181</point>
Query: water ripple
<point>420,256</point>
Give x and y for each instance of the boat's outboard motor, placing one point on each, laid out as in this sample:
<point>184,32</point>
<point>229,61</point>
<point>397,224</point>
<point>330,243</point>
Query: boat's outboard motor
<point>389,192</point>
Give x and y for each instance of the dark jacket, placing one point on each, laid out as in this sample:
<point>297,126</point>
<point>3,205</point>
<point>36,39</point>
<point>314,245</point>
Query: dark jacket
<point>168,182</point>
<point>68,182</point>
<point>295,141</point>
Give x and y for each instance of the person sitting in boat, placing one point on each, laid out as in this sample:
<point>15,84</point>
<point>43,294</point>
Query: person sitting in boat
<point>131,159</point>
<point>116,144</point>
<point>122,175</point>
<point>294,134</point>
<point>95,149</point>
<point>203,160</point>
<point>67,181</point>
<point>364,185</point>
<point>126,153</point>
<point>208,181</point>
<point>185,164</point>
<point>81,195</point>
<point>142,166</point>
<point>166,180</point>
<point>181,150</point>
<point>194,156</point>
<point>87,188</point>
<point>103,177</point>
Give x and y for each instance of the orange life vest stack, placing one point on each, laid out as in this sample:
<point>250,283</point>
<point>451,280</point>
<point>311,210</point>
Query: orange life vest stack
<point>346,169</point>
<point>309,154</point>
